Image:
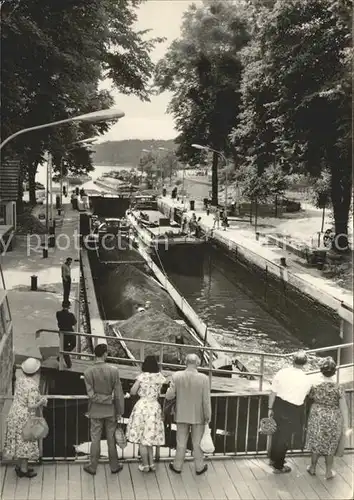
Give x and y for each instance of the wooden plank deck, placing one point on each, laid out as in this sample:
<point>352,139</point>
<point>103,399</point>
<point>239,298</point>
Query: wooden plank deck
<point>229,479</point>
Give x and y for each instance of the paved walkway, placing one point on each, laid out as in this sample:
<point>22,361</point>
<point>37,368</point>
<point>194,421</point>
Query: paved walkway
<point>306,278</point>
<point>233,479</point>
<point>32,310</point>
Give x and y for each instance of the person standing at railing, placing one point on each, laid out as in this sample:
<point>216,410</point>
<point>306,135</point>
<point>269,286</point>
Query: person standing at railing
<point>27,400</point>
<point>328,419</point>
<point>290,386</point>
<point>193,410</point>
<point>145,425</point>
<point>106,407</point>
<point>66,321</point>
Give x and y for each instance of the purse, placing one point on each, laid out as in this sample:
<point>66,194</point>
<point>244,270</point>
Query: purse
<point>120,438</point>
<point>169,409</point>
<point>34,429</point>
<point>267,426</point>
<point>206,444</point>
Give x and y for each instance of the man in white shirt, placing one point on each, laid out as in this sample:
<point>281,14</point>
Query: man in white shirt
<point>290,387</point>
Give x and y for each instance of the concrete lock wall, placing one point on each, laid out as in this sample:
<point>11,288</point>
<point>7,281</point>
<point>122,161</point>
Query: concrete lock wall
<point>315,324</point>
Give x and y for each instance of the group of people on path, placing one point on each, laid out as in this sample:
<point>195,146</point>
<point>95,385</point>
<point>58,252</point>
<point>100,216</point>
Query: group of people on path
<point>189,390</point>
<point>80,194</point>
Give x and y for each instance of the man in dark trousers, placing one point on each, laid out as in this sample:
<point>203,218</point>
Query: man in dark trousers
<point>66,322</point>
<point>290,387</point>
<point>66,279</point>
<point>106,406</point>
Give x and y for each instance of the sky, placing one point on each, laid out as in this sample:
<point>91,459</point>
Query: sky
<point>149,120</point>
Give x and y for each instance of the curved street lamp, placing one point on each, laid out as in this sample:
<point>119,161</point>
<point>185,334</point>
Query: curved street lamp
<point>208,148</point>
<point>95,116</point>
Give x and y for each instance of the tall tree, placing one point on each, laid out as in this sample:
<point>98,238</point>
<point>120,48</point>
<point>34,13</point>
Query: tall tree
<point>296,96</point>
<point>203,70</point>
<point>54,55</point>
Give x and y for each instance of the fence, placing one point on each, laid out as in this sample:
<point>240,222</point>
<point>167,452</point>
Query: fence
<point>234,425</point>
<point>207,353</point>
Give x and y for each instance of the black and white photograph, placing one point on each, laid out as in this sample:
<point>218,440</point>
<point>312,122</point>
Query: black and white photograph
<point>176,250</point>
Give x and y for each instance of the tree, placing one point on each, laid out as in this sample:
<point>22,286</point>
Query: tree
<point>202,69</point>
<point>296,96</point>
<point>54,55</point>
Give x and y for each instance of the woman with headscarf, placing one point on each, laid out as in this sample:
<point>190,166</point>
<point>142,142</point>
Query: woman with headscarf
<point>328,418</point>
<point>27,400</point>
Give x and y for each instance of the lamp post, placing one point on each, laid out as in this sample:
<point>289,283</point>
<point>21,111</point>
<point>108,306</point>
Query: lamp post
<point>89,141</point>
<point>93,117</point>
<point>168,151</point>
<point>208,148</point>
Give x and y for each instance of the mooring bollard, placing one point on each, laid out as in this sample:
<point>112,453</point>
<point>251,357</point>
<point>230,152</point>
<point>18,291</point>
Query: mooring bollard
<point>45,253</point>
<point>59,211</point>
<point>257,236</point>
<point>283,261</point>
<point>34,282</point>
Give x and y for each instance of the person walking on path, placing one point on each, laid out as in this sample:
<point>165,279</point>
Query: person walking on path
<point>328,418</point>
<point>193,410</point>
<point>217,219</point>
<point>290,387</point>
<point>106,406</point>
<point>66,279</point>
<point>145,425</point>
<point>27,400</point>
<point>66,322</point>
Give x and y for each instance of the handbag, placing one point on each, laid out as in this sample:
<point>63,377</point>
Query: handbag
<point>120,438</point>
<point>169,409</point>
<point>206,444</point>
<point>267,426</point>
<point>34,429</point>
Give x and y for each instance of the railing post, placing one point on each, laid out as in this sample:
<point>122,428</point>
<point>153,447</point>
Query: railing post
<point>142,352</point>
<point>338,362</point>
<point>61,348</point>
<point>262,373</point>
<point>210,368</point>
<point>161,356</point>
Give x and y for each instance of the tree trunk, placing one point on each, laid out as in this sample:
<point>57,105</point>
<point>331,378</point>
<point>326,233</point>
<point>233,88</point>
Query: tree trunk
<point>214,180</point>
<point>32,183</point>
<point>341,189</point>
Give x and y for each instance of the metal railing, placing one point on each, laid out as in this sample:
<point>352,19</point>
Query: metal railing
<point>234,426</point>
<point>176,349</point>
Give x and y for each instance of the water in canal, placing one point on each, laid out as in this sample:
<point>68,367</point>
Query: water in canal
<point>227,306</point>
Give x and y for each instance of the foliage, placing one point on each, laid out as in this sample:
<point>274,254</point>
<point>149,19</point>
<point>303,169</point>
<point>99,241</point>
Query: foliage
<point>321,189</point>
<point>296,90</point>
<point>158,165</point>
<point>54,55</point>
<point>202,69</point>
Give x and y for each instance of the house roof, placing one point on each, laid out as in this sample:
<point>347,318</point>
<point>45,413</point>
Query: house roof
<point>9,178</point>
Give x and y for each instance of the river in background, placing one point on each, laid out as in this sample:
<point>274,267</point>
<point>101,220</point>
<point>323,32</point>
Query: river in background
<point>98,172</point>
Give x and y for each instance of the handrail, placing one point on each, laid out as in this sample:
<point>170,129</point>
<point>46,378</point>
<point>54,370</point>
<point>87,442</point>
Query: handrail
<point>208,349</point>
<point>210,370</point>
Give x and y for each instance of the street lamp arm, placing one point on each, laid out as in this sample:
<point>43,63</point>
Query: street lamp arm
<point>94,116</point>
<point>32,129</point>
